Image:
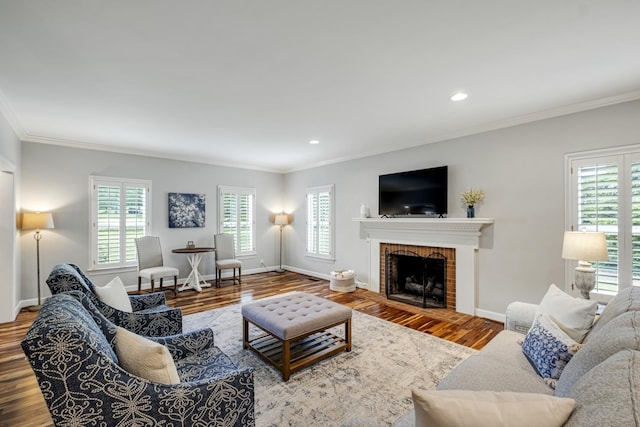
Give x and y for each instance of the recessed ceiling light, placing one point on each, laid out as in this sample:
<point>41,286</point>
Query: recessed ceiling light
<point>314,142</point>
<point>459,96</point>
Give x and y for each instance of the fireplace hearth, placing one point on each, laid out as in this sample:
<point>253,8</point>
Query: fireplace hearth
<point>415,279</point>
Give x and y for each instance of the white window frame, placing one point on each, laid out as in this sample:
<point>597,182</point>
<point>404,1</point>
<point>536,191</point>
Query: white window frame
<point>123,183</point>
<point>314,252</point>
<point>623,157</point>
<point>226,189</point>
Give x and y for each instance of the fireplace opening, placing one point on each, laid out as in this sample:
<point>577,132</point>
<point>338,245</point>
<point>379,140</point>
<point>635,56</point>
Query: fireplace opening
<point>414,279</point>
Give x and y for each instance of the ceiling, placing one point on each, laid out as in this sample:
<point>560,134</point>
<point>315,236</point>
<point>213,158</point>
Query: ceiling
<point>250,83</point>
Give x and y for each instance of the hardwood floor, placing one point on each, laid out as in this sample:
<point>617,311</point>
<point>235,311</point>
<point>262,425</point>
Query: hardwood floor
<point>22,404</point>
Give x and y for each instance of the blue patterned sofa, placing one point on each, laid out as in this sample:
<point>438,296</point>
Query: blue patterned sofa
<point>150,317</point>
<point>74,359</point>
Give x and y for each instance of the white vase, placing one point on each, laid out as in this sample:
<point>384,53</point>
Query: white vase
<point>364,211</point>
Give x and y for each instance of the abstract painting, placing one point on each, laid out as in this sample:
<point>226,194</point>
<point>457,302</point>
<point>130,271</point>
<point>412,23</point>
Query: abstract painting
<point>186,210</point>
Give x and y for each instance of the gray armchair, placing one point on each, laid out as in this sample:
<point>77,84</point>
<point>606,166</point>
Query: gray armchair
<point>82,382</point>
<point>150,317</point>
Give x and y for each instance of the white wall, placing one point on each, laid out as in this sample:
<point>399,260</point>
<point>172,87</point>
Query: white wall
<point>57,178</point>
<point>9,255</point>
<point>521,169</point>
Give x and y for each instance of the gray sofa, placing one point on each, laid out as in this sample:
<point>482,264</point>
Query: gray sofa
<point>603,377</point>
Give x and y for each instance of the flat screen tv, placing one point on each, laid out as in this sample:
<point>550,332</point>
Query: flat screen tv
<point>419,192</point>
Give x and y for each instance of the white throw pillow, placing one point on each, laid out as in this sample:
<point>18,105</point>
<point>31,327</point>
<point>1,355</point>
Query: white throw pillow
<point>145,358</point>
<point>574,315</point>
<point>462,408</point>
<point>115,295</point>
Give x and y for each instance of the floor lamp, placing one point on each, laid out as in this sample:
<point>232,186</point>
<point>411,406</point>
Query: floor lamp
<point>37,221</point>
<point>281,220</point>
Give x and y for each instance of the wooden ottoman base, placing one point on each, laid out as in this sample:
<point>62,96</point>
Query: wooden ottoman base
<point>291,352</point>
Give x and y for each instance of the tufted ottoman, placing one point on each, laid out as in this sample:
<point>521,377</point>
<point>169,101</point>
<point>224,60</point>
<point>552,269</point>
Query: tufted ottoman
<point>296,330</point>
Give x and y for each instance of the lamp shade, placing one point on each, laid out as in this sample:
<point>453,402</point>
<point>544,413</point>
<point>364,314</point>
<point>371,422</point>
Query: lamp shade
<point>583,245</point>
<point>281,219</point>
<point>37,220</point>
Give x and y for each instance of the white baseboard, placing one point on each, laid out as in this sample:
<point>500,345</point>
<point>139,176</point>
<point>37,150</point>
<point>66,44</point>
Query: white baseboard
<point>168,284</point>
<point>359,284</point>
<point>225,275</point>
<point>307,272</point>
<point>491,315</point>
<point>27,303</point>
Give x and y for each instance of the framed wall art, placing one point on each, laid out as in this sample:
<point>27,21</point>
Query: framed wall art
<point>186,210</point>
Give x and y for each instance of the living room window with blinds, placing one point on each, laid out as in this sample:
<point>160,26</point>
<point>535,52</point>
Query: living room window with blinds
<point>120,212</point>
<point>320,230</point>
<point>237,213</point>
<point>605,197</point>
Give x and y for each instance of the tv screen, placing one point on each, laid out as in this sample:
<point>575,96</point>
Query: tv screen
<point>419,192</point>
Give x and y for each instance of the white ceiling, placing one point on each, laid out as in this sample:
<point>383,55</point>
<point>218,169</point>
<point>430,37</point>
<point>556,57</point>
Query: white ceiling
<point>249,83</point>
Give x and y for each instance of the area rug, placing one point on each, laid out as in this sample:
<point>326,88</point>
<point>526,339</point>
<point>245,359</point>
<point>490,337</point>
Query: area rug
<point>369,386</point>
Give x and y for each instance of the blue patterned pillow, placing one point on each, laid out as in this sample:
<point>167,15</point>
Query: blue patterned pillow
<point>548,348</point>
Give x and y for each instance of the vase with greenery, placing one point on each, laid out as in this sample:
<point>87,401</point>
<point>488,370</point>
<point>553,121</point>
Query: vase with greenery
<point>471,198</point>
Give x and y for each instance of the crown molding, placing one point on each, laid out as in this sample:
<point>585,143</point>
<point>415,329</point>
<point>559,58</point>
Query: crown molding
<point>552,113</point>
<point>487,127</point>
<point>7,111</point>
<point>139,152</point>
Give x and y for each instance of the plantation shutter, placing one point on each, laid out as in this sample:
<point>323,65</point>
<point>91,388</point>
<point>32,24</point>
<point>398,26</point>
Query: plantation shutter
<point>237,217</point>
<point>598,194</point>
<point>108,226</point>
<point>605,197</point>
<point>135,219</point>
<point>312,223</point>
<point>230,213</point>
<point>320,222</point>
<point>245,232</point>
<point>635,223</point>
<point>120,214</point>
<point>324,222</point>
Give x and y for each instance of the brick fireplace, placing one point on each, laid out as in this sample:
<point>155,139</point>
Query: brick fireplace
<point>447,254</point>
<point>457,238</point>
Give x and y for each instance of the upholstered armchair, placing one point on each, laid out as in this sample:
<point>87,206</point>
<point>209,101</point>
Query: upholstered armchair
<point>151,265</point>
<point>150,315</point>
<point>226,257</point>
<point>181,345</point>
<point>82,381</point>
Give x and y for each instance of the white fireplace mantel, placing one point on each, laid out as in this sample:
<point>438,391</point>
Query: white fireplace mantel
<point>462,234</point>
<point>464,231</point>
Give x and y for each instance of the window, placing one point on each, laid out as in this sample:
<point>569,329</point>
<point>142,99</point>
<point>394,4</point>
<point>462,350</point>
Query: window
<point>605,196</point>
<point>120,212</point>
<point>237,213</point>
<point>320,222</point>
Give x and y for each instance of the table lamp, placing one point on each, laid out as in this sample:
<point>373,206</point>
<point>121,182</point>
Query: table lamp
<point>585,246</point>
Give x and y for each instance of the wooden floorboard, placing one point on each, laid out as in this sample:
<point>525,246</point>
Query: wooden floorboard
<point>22,404</point>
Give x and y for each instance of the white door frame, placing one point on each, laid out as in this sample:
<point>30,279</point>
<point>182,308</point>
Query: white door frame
<point>9,284</point>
